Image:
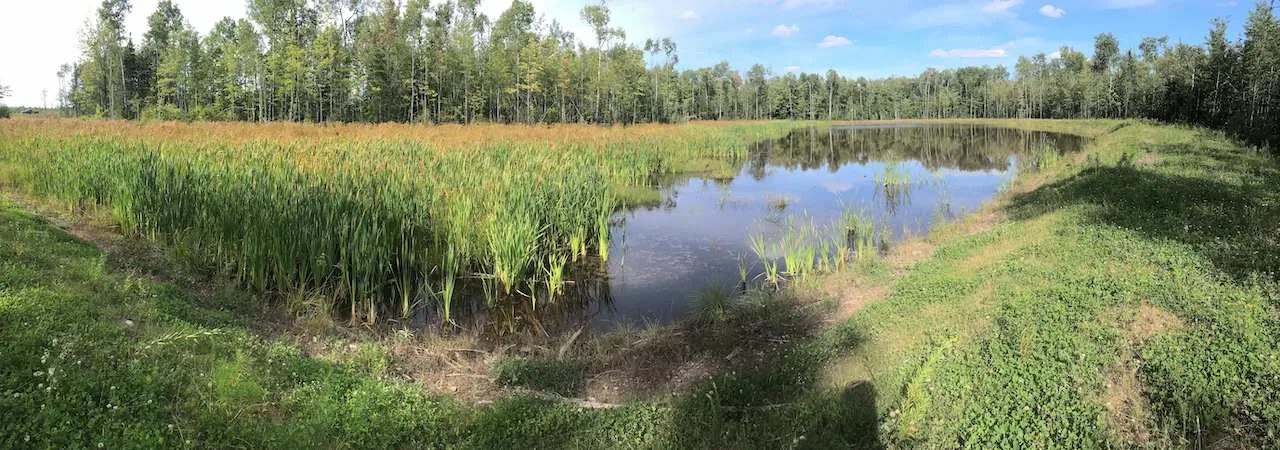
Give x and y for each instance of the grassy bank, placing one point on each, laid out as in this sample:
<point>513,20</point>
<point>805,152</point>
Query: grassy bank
<point>1126,295</point>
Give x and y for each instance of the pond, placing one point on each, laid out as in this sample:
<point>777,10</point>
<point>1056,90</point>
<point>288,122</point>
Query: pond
<point>904,179</point>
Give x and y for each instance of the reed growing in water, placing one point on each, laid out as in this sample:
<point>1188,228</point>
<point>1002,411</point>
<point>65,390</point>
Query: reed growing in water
<point>379,221</point>
<point>807,249</point>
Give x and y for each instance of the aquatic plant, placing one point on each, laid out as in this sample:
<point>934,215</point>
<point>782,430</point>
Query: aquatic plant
<point>375,218</point>
<point>554,270</point>
<point>858,233</point>
<point>1039,157</point>
<point>808,249</point>
<point>760,246</point>
<point>893,177</point>
<point>798,245</point>
<point>777,203</point>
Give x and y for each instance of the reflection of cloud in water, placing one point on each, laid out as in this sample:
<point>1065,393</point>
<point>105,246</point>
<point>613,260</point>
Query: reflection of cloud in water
<point>781,197</point>
<point>670,254</point>
<point>737,201</point>
<point>837,186</point>
<point>666,261</point>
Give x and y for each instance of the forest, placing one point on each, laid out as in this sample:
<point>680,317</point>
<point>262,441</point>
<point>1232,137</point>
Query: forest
<point>394,61</point>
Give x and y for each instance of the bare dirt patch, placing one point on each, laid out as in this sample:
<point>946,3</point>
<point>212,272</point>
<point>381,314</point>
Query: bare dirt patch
<point>1128,412</point>
<point>1147,160</point>
<point>658,362</point>
<point>854,299</point>
<point>1151,320</point>
<point>990,255</point>
<point>910,252</point>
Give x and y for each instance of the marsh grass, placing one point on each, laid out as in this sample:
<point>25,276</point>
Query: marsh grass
<point>1039,157</point>
<point>777,203</point>
<point>760,245</point>
<point>803,248</point>
<point>378,220</point>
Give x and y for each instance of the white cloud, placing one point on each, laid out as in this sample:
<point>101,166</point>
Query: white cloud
<point>998,51</point>
<point>785,30</point>
<point>1052,11</point>
<point>1121,4</point>
<point>832,41</point>
<point>31,69</point>
<point>1055,55</point>
<point>966,13</point>
<point>1000,6</point>
<point>969,53</point>
<point>836,187</point>
<point>689,14</point>
<point>792,4</point>
<point>792,69</point>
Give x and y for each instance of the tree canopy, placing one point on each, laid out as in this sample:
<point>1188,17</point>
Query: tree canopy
<point>417,61</point>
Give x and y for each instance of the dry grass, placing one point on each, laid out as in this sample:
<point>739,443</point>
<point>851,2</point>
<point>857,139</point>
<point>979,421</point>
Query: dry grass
<point>445,136</point>
<point>1128,412</point>
<point>1151,320</point>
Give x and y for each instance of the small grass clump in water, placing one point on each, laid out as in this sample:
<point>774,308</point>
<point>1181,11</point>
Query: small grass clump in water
<point>761,247</point>
<point>807,249</point>
<point>858,234</point>
<point>1041,156</point>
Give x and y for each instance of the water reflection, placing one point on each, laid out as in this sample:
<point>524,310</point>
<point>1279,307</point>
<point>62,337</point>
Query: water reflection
<point>901,179</point>
<point>905,178</point>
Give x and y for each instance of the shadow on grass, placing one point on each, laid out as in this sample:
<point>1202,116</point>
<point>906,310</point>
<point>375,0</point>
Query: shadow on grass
<point>1223,205</point>
<point>756,372</point>
<point>1234,225</point>
<point>778,400</point>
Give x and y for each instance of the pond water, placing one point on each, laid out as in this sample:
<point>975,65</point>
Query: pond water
<point>663,257</point>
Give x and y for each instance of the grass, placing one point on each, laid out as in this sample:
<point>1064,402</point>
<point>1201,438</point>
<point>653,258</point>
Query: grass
<point>714,303</point>
<point>379,219</point>
<point>539,374</point>
<point>1123,296</point>
<point>1031,303</point>
<point>806,249</point>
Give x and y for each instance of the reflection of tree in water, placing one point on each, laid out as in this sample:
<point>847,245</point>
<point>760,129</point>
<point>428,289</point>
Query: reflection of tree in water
<point>963,147</point>
<point>968,148</point>
<point>895,196</point>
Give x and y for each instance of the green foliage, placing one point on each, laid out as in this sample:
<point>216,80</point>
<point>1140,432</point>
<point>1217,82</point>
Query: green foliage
<point>447,62</point>
<point>714,303</point>
<point>413,222</point>
<point>540,374</point>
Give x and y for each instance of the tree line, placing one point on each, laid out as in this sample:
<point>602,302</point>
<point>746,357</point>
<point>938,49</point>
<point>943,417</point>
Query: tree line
<point>412,61</point>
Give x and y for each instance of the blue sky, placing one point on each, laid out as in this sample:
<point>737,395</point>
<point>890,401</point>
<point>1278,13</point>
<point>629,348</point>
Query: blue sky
<point>873,38</point>
<point>903,37</point>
